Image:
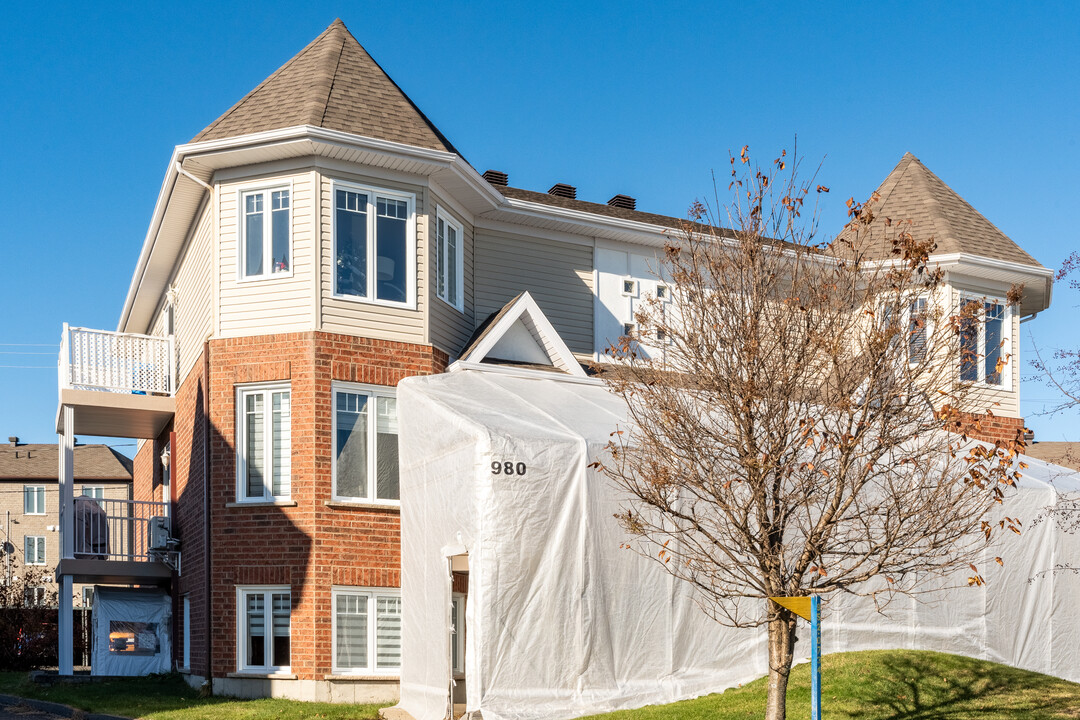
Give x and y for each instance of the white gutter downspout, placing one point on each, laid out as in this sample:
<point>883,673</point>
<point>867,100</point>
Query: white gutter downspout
<point>1032,316</point>
<point>180,169</point>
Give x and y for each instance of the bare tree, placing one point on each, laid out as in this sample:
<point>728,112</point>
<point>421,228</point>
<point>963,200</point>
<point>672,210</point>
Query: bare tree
<point>795,409</point>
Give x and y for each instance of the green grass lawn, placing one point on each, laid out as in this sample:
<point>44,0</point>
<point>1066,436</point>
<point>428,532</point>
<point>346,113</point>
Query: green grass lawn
<point>168,697</point>
<point>875,685</point>
<point>891,685</point>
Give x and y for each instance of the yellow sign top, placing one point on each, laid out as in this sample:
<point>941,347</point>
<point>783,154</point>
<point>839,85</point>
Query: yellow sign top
<point>798,605</point>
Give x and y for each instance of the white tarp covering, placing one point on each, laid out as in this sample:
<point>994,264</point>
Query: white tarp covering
<point>561,622</point>
<point>131,631</point>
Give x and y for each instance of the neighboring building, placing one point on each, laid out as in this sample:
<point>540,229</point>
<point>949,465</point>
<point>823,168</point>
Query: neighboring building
<point>310,248</point>
<point>30,499</point>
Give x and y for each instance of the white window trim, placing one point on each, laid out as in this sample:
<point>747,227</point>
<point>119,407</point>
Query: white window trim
<point>44,493</point>
<point>410,242</point>
<point>458,636</point>
<point>84,489</point>
<point>622,286</point>
<point>928,329</point>
<point>268,239</point>
<point>241,622</point>
<point>372,391</point>
<point>371,593</point>
<point>39,540</point>
<point>980,343</point>
<point>241,441</point>
<point>443,216</point>
<point>185,609</point>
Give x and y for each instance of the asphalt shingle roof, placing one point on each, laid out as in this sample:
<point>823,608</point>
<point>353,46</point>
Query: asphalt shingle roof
<point>41,462</point>
<point>332,83</point>
<point>912,192</point>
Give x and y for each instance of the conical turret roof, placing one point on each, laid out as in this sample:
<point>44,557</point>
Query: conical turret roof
<point>332,83</point>
<point>912,192</point>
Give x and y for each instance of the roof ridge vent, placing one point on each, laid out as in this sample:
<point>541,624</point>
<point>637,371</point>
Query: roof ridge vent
<point>497,177</point>
<point>563,190</point>
<point>623,201</point>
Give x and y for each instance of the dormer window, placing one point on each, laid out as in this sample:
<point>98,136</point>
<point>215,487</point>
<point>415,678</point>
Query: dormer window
<point>265,228</point>
<point>374,245</point>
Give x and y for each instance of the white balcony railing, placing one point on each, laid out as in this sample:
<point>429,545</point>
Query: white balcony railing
<point>116,362</point>
<point>117,529</point>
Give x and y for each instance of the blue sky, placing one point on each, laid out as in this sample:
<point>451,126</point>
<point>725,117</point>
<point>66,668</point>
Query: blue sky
<point>644,99</point>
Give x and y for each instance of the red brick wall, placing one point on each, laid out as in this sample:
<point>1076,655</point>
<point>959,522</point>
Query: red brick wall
<point>309,546</point>
<point>986,427</point>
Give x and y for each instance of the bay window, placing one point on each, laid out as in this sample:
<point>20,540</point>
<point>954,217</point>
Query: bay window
<point>264,629</point>
<point>449,273</point>
<point>264,442</point>
<point>984,336</point>
<point>367,630</point>
<point>265,233</point>
<point>374,245</point>
<point>365,444</point>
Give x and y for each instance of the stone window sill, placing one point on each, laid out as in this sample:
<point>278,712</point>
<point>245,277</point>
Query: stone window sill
<point>362,678</point>
<point>262,676</point>
<point>262,504</point>
<point>346,505</point>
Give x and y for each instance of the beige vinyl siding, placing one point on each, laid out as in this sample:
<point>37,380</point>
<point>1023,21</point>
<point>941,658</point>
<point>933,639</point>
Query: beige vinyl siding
<point>354,317</point>
<point>1005,402</point>
<point>558,275</point>
<point>275,304</point>
<point>193,320</point>
<point>449,328</point>
<point>191,281</point>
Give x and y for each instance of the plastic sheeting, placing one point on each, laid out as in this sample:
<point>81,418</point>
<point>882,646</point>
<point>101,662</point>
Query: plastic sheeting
<point>131,631</point>
<point>561,622</point>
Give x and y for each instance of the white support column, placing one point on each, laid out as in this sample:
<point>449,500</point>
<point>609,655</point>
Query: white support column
<point>66,627</point>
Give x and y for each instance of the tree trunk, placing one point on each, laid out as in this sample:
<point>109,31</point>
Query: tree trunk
<point>781,652</point>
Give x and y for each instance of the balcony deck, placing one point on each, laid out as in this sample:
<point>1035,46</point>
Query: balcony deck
<point>118,384</point>
<point>117,541</point>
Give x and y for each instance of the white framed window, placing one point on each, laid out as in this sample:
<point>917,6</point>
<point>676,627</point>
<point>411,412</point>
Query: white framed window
<point>34,596</point>
<point>264,628</point>
<point>366,630</point>
<point>94,491</point>
<point>365,429</point>
<point>374,245</point>
<point>449,260</point>
<point>33,499</point>
<point>629,329</point>
<point>88,597</point>
<point>629,286</point>
<point>457,633</point>
<point>265,233</point>
<point>264,442</point>
<point>662,292</point>
<point>985,339</point>
<point>918,327</point>
<point>187,632</point>
<point>34,549</point>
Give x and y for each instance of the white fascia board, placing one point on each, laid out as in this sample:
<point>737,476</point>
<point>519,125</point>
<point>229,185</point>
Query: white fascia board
<point>649,234</point>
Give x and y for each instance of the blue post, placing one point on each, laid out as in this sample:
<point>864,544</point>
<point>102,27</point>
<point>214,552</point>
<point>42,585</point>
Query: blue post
<point>815,658</point>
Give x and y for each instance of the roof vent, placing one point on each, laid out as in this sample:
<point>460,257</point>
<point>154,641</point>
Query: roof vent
<point>563,190</point>
<point>497,177</point>
<point>623,201</point>
<point>13,440</point>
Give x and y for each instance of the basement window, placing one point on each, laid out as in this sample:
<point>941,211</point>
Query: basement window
<point>264,630</point>
<point>265,233</point>
<point>367,631</point>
